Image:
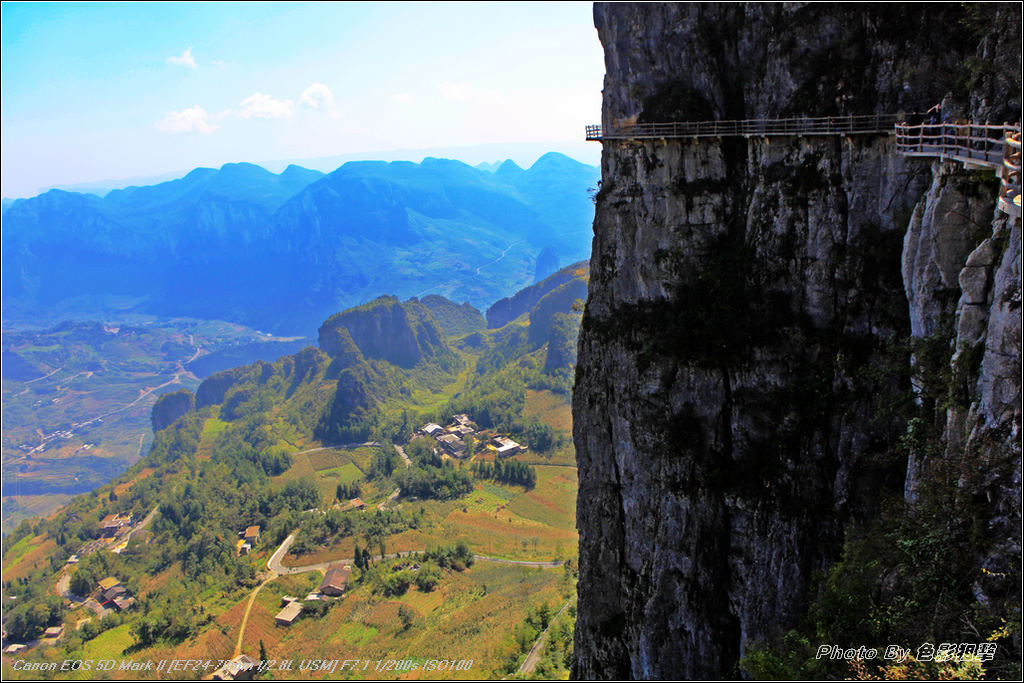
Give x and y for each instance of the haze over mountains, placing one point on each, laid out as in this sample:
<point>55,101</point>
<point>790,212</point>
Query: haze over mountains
<point>282,252</point>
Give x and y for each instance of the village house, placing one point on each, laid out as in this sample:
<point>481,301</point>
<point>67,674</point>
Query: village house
<point>14,648</point>
<point>113,592</point>
<point>505,446</point>
<point>241,668</point>
<point>335,580</point>
<point>123,602</point>
<point>54,632</point>
<point>242,547</point>
<point>463,420</point>
<point>431,429</point>
<point>252,535</point>
<point>288,614</point>
<point>462,431</point>
<point>108,583</point>
<point>110,524</point>
<point>114,595</point>
<point>357,503</point>
<point>454,446</point>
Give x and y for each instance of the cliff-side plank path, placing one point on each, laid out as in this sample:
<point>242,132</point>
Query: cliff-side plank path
<point>981,145</point>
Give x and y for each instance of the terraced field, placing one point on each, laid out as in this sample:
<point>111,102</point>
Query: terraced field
<point>328,468</point>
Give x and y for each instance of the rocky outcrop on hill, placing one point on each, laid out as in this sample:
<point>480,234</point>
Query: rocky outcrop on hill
<point>506,310</point>
<point>169,407</point>
<point>453,318</point>
<point>752,304</point>
<point>214,388</point>
<point>386,329</point>
<point>561,300</point>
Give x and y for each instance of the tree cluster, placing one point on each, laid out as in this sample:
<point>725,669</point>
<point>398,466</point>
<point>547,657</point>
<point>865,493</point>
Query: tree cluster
<point>506,472</point>
<point>457,557</point>
<point>442,483</point>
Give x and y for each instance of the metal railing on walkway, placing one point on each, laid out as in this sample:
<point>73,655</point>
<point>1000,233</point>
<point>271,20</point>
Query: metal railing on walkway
<point>970,143</point>
<point>881,124</point>
<point>983,145</point>
<point>1009,189</point>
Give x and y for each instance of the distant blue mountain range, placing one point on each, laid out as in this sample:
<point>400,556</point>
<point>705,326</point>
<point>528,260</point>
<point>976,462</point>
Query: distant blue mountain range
<point>283,251</point>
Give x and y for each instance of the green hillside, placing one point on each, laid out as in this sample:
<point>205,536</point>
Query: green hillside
<point>288,446</point>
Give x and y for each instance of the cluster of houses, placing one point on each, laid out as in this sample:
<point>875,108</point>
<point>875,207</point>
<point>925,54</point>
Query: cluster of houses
<point>111,525</point>
<point>113,595</point>
<point>451,439</point>
<point>247,539</point>
<point>333,586</point>
<point>113,528</point>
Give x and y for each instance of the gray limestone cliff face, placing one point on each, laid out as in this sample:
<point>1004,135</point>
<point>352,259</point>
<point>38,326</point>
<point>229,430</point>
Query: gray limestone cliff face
<point>748,301</point>
<point>962,270</point>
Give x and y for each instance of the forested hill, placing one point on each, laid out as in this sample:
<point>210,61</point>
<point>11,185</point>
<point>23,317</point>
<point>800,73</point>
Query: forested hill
<point>240,452</point>
<point>282,252</point>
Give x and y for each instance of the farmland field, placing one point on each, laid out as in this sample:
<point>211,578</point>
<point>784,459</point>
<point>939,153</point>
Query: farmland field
<point>330,467</point>
<point>469,616</point>
<point>77,400</point>
<point>551,408</point>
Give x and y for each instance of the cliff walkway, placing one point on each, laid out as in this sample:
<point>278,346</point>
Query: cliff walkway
<point>978,145</point>
<point>805,126</point>
<point>985,146</point>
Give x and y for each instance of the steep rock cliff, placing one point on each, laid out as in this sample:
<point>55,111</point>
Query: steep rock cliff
<point>170,406</point>
<point>385,328</point>
<point>508,309</point>
<point>745,339</point>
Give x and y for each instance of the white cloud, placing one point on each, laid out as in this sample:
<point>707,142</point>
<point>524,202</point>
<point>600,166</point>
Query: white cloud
<point>260,106</point>
<point>459,92</point>
<point>191,120</point>
<point>401,98</point>
<point>185,59</point>
<point>318,94</point>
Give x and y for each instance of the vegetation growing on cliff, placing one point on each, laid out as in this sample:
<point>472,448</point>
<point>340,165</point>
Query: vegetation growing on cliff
<point>911,577</point>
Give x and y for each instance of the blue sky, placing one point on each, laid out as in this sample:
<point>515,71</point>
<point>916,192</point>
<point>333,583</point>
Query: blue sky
<point>96,91</point>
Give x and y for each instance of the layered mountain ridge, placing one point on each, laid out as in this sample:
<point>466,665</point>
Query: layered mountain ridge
<point>283,251</point>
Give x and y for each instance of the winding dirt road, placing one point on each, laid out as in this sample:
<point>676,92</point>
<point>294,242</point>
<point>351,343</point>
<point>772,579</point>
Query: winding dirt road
<point>245,616</point>
<point>530,663</point>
